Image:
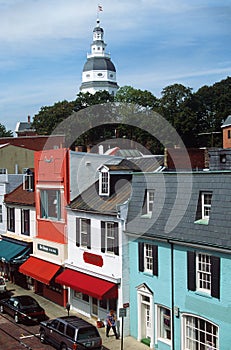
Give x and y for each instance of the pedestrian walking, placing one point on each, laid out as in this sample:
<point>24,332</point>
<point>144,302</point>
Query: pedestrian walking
<point>111,323</point>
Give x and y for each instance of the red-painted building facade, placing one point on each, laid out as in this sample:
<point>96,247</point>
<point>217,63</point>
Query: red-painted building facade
<point>52,194</point>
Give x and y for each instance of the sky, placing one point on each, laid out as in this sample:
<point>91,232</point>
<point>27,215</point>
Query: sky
<point>153,44</point>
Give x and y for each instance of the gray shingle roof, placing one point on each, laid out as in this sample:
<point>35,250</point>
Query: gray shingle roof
<point>175,205</point>
<point>227,122</point>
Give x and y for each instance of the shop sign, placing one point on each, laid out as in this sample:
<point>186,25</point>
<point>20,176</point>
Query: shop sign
<point>48,249</point>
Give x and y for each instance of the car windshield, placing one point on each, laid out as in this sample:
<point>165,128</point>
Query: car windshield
<point>87,333</point>
<point>28,302</point>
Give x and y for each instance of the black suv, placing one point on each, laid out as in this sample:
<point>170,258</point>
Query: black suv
<point>70,333</point>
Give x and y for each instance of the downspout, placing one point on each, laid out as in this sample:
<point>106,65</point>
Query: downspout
<point>173,297</point>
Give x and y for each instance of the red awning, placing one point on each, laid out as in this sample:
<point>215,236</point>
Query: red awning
<point>93,286</point>
<point>38,269</point>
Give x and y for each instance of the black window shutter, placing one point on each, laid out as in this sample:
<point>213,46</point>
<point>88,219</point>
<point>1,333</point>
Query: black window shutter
<point>155,260</point>
<point>116,247</point>
<point>191,275</point>
<point>102,236</point>
<point>215,277</point>
<point>141,256</point>
<point>88,233</point>
<point>77,232</point>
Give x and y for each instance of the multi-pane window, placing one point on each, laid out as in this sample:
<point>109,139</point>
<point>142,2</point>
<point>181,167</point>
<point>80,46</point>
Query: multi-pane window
<point>206,198</point>
<point>199,334</point>
<point>150,201</point>
<point>164,323</point>
<point>25,222</point>
<point>1,213</point>
<point>50,204</point>
<point>203,272</point>
<point>11,219</point>
<point>148,258</point>
<point>109,237</point>
<point>104,183</point>
<point>28,180</point>
<point>83,234</point>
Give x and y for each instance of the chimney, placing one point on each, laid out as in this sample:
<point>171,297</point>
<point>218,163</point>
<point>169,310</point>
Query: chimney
<point>28,118</point>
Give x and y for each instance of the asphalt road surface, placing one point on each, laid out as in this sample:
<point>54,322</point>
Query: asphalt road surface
<point>15,336</point>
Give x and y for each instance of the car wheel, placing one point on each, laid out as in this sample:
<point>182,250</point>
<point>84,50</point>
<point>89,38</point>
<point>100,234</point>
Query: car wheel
<point>63,347</point>
<point>42,337</point>
<point>1,309</point>
<point>16,318</point>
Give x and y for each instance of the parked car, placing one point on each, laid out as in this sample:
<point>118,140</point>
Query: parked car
<point>2,285</point>
<point>70,332</point>
<point>23,308</point>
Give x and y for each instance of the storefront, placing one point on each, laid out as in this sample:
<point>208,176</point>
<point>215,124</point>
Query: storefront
<point>41,275</point>
<point>12,254</point>
<point>89,295</point>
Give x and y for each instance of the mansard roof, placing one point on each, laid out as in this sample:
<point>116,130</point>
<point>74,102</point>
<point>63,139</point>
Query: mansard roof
<point>176,201</point>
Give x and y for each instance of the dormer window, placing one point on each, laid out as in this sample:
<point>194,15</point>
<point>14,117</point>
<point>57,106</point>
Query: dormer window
<point>148,203</point>
<point>28,180</point>
<point>203,207</point>
<point>104,183</point>
<point>206,204</point>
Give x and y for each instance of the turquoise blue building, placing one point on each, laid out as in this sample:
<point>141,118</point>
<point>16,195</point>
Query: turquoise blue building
<point>179,231</point>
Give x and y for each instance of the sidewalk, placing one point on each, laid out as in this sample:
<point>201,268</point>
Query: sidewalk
<point>53,310</point>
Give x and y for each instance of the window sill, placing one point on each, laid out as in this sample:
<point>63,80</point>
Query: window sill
<point>202,222</point>
<point>166,341</point>
<point>203,294</point>
<point>147,216</point>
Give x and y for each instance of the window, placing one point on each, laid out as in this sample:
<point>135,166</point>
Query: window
<point>70,332</point>
<point>28,180</point>
<point>148,203</point>
<point>229,134</point>
<point>0,212</point>
<point>109,237</point>
<point>204,273</point>
<point>11,219</point>
<point>82,296</point>
<point>206,204</point>
<point>50,204</point>
<point>83,234</point>
<point>104,183</point>
<point>199,333</point>
<point>148,258</point>
<point>164,323</point>
<point>25,222</point>
<point>204,207</point>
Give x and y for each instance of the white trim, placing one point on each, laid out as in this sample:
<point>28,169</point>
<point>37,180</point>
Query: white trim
<point>143,290</point>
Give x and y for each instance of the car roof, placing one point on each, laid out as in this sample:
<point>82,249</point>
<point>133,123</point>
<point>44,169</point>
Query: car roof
<point>23,297</point>
<point>75,321</point>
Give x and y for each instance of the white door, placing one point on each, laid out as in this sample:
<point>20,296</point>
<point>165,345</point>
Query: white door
<point>146,317</point>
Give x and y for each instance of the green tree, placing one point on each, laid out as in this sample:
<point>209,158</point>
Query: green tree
<point>179,107</point>
<point>50,116</point>
<point>4,132</point>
